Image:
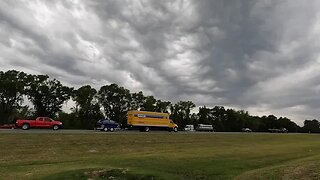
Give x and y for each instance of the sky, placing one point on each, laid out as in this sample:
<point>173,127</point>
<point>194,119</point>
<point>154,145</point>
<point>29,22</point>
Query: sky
<point>260,56</point>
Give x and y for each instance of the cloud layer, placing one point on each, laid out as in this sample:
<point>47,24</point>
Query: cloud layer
<point>262,56</point>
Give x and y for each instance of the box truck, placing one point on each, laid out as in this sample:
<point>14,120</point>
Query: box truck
<point>146,120</point>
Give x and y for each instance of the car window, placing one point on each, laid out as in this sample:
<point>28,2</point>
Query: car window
<point>47,119</point>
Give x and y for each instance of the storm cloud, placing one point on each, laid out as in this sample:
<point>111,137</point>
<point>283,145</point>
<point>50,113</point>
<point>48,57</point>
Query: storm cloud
<point>261,56</point>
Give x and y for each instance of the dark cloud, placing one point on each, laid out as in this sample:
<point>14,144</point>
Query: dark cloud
<point>261,56</point>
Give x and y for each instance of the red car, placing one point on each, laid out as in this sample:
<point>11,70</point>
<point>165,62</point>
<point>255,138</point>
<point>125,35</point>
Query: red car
<point>40,122</point>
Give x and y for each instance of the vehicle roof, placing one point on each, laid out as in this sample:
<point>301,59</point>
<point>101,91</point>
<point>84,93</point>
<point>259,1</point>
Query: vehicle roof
<point>147,112</point>
<point>204,124</point>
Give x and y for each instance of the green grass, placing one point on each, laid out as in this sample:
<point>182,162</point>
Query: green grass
<point>159,156</point>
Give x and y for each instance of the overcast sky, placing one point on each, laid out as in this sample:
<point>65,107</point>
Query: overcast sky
<point>261,56</point>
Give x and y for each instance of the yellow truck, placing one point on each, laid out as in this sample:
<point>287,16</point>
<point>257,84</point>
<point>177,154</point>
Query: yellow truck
<point>146,120</point>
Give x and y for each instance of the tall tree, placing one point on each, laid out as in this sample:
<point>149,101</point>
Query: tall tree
<point>288,124</point>
<point>180,113</point>
<point>162,106</point>
<point>47,95</point>
<point>12,89</point>
<point>149,104</point>
<point>220,117</point>
<point>136,101</point>
<point>87,108</point>
<point>115,101</point>
<point>311,126</point>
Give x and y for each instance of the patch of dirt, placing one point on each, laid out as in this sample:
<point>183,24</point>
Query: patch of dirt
<point>120,173</point>
<point>307,171</point>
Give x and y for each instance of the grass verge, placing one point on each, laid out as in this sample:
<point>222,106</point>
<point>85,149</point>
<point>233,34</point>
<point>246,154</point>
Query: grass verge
<point>159,156</point>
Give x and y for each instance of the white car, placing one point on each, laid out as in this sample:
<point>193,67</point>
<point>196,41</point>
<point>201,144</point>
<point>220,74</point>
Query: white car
<point>189,128</point>
<point>204,127</point>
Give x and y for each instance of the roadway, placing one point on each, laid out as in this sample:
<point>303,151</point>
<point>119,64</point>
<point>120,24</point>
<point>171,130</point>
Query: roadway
<point>81,131</point>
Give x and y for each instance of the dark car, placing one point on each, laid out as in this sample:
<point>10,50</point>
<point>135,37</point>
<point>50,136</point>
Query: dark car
<point>246,130</point>
<point>107,125</point>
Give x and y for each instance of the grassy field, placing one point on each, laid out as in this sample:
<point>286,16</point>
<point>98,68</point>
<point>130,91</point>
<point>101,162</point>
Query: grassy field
<point>159,156</point>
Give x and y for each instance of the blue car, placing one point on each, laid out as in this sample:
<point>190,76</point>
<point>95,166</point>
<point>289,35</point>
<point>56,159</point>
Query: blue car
<point>107,125</point>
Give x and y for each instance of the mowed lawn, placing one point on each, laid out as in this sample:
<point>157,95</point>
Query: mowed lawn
<point>159,156</point>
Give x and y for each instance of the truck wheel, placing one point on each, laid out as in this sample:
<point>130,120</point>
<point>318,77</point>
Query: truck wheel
<point>146,129</point>
<point>175,129</point>
<point>111,129</point>
<point>55,127</point>
<point>25,126</point>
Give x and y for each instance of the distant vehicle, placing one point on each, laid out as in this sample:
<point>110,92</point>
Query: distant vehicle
<point>281,130</point>
<point>107,125</point>
<point>40,122</point>
<point>204,127</point>
<point>189,128</point>
<point>145,120</point>
<point>7,126</point>
<point>246,130</point>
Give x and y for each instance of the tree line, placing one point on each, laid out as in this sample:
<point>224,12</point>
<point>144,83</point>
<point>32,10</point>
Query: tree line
<point>47,97</point>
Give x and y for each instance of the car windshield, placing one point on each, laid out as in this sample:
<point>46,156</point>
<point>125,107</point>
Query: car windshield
<point>107,121</point>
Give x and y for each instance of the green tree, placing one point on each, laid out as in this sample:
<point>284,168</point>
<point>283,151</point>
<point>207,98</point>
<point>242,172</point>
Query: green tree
<point>136,101</point>
<point>115,101</point>
<point>162,106</point>
<point>311,126</point>
<point>180,113</point>
<point>47,95</point>
<point>69,120</point>
<point>149,104</point>
<point>25,112</point>
<point>219,118</point>
<point>87,108</point>
<point>12,89</point>
<point>288,124</point>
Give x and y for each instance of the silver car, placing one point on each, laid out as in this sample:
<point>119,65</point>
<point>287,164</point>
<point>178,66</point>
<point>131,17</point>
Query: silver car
<point>204,127</point>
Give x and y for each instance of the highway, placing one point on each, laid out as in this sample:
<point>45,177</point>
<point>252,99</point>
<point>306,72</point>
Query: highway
<point>81,131</point>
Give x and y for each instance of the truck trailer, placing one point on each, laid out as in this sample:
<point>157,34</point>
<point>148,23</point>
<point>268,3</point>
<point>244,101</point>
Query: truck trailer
<point>146,120</point>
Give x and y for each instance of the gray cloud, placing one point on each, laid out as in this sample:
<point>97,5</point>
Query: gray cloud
<point>261,56</point>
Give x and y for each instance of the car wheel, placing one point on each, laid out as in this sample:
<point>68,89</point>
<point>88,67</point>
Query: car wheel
<point>146,129</point>
<point>175,129</point>
<point>105,129</point>
<point>25,126</point>
<point>111,129</point>
<point>55,127</point>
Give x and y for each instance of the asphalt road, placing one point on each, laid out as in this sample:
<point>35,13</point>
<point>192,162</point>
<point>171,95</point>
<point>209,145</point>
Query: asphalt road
<point>45,131</point>
<point>80,131</point>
